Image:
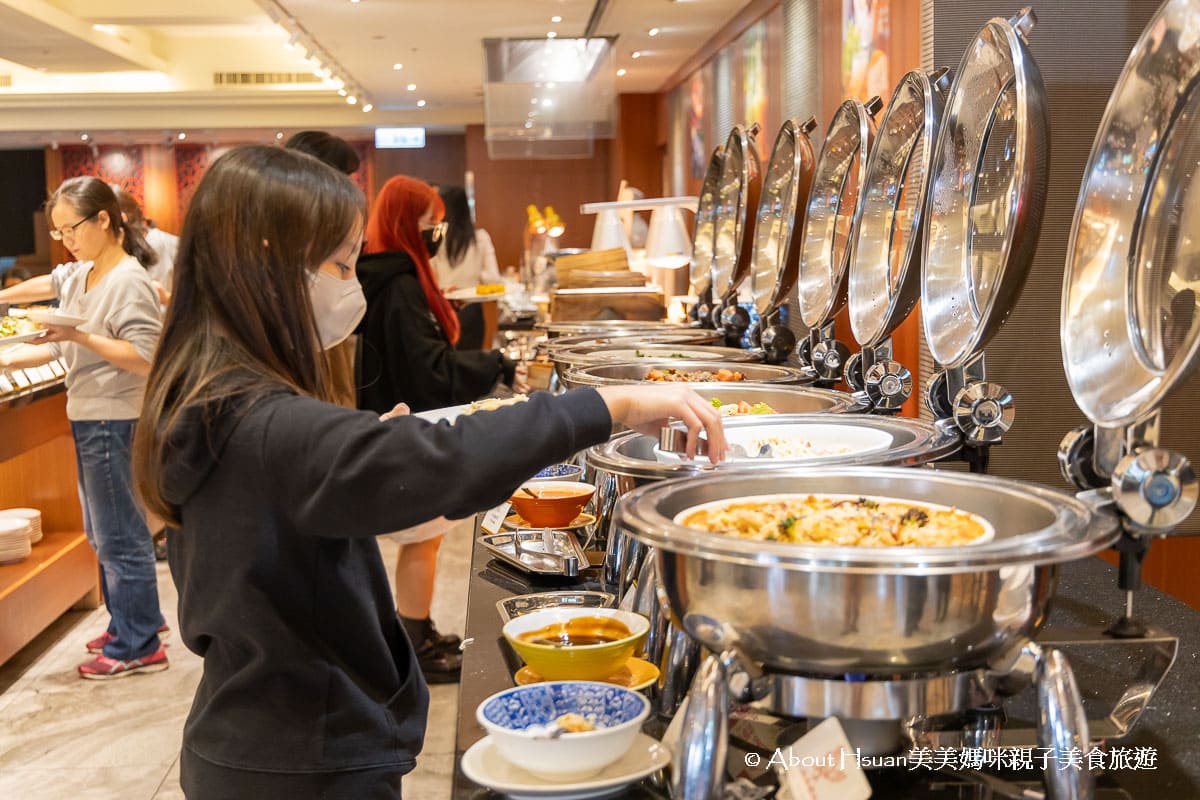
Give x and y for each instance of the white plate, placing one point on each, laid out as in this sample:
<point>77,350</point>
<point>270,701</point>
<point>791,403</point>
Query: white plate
<point>21,337</point>
<point>469,295</point>
<point>43,317</point>
<point>483,764</point>
<point>849,440</point>
<point>989,532</point>
<point>449,413</point>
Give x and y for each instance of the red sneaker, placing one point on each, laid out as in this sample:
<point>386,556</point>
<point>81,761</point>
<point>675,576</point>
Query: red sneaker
<point>103,668</point>
<point>97,645</point>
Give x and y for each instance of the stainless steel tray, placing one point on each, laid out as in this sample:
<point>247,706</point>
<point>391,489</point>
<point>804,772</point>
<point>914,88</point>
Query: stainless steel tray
<point>512,607</point>
<point>543,552</point>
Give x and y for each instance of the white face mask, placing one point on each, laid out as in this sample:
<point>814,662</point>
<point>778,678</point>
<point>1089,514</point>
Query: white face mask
<point>338,307</point>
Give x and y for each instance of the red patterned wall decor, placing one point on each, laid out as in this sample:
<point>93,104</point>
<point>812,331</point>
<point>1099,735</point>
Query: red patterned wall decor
<point>123,166</point>
<point>191,162</point>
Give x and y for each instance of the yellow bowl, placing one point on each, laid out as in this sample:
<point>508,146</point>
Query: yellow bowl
<point>581,662</point>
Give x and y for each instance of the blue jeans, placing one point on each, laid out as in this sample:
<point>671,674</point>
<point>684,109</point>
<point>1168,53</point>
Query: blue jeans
<point>117,531</point>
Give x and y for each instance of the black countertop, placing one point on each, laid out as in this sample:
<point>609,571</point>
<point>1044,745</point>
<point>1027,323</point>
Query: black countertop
<point>1088,597</point>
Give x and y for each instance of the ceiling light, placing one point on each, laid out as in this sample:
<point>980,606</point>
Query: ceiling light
<point>182,136</point>
<point>528,124</point>
<point>420,104</point>
<point>412,87</point>
<point>533,101</point>
<point>547,103</point>
<point>278,135</point>
<point>556,18</point>
<point>551,35</point>
<point>636,54</point>
<point>83,137</point>
<point>397,66</point>
<point>355,2</point>
<point>342,92</point>
<point>652,32</point>
<point>351,99</point>
<point>621,72</point>
<point>368,107</point>
<point>291,42</point>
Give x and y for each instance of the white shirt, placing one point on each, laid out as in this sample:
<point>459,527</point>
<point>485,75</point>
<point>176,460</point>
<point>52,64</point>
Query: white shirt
<point>166,245</point>
<point>478,264</point>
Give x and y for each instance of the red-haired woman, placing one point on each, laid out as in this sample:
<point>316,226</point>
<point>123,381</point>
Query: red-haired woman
<point>408,356</point>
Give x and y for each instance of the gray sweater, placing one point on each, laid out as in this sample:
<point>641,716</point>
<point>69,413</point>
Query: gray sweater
<point>123,305</point>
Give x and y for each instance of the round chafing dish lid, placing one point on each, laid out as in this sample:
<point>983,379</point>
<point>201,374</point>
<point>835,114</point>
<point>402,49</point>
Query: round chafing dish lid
<point>829,216</point>
<point>701,265</point>
<point>1034,525</point>
<point>626,352</point>
<point>1130,327</point>
<point>603,326</point>
<point>608,374</point>
<point>733,226</point>
<point>987,192</point>
<point>885,265</point>
<point>774,261</point>
<point>912,442</point>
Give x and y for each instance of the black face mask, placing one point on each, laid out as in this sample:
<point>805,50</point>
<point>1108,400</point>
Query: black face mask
<point>431,246</point>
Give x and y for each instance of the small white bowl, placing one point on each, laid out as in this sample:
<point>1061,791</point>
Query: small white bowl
<point>572,756</point>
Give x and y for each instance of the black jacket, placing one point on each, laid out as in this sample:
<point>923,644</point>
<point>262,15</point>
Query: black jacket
<point>282,589</point>
<point>406,357</point>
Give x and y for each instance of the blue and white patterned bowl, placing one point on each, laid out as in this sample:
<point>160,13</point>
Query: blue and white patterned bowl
<point>560,472</point>
<point>617,713</point>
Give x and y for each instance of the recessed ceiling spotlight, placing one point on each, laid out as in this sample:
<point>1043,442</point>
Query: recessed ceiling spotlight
<point>547,103</point>
<point>342,92</point>
<point>351,99</point>
<point>652,32</point>
<point>621,72</point>
<point>636,54</point>
<point>368,107</point>
<point>84,137</point>
<point>291,42</point>
<point>397,66</point>
<point>278,135</point>
<point>556,18</point>
<point>533,101</point>
<point>412,87</point>
<point>551,85</point>
<point>420,104</point>
<point>182,136</point>
<point>551,35</point>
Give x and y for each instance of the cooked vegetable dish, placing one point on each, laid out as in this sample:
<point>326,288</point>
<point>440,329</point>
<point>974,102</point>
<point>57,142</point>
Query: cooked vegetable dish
<point>672,375</point>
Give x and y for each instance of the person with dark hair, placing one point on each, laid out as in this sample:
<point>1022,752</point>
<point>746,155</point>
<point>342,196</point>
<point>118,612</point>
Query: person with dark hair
<point>409,356</point>
<point>164,244</point>
<point>310,687</point>
<point>467,258</point>
<point>332,150</point>
<point>339,358</point>
<point>14,276</point>
<point>108,358</point>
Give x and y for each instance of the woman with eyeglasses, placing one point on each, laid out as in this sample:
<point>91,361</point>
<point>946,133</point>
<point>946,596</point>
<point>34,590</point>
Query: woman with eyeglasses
<point>108,358</point>
<point>310,688</point>
<point>408,356</point>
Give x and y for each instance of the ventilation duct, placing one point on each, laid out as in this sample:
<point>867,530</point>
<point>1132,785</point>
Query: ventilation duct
<point>548,98</point>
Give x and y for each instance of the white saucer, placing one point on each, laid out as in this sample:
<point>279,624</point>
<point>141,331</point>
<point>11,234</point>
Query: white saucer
<point>483,764</point>
<point>55,317</point>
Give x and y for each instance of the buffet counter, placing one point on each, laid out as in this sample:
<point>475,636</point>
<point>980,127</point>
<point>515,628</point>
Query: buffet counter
<point>1087,598</point>
<point>37,469</point>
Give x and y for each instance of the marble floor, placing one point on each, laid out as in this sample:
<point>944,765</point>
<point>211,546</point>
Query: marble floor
<point>63,738</point>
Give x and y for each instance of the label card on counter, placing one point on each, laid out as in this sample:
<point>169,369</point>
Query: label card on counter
<point>21,378</point>
<point>821,766</point>
<point>493,519</point>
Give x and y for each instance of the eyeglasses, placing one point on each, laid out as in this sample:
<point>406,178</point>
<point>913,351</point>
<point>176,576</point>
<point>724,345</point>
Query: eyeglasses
<point>439,230</point>
<point>69,230</point>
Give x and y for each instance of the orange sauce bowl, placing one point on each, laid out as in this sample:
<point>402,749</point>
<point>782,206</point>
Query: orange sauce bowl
<point>551,504</point>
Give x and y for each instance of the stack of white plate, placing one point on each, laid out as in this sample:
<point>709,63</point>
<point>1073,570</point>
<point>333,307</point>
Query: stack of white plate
<point>14,539</point>
<point>30,515</point>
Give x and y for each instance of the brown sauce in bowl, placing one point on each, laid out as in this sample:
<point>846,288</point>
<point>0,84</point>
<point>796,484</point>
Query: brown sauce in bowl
<point>578,632</point>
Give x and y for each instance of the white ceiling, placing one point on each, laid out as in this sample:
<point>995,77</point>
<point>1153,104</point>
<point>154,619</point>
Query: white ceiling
<point>135,71</point>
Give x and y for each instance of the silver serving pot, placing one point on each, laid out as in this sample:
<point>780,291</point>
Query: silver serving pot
<point>558,349</point>
<point>839,611</point>
<point>613,374</point>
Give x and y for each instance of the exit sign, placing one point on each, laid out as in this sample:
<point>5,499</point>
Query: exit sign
<point>395,138</point>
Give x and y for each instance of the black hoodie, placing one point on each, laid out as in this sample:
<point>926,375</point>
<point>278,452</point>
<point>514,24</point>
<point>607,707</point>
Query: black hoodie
<point>406,357</point>
<point>282,589</point>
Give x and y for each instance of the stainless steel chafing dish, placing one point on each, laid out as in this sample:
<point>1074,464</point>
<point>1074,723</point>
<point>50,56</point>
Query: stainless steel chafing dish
<point>703,234</point>
<point>557,349</point>
<point>610,374</point>
<point>635,351</point>
<point>602,327</point>
<point>733,229</point>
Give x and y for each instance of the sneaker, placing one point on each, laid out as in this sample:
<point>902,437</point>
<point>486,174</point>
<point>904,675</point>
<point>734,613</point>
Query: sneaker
<point>103,668</point>
<point>97,645</point>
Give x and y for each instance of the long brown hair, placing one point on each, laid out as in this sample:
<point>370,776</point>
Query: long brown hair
<point>240,323</point>
<point>89,195</point>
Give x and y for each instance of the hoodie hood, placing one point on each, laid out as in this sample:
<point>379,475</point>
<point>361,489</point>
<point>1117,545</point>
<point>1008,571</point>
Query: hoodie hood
<point>377,270</point>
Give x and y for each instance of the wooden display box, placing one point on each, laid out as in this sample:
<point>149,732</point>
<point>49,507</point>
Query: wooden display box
<point>645,303</point>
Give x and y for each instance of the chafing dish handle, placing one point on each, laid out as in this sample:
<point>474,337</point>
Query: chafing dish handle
<point>698,771</point>
<point>1062,727</point>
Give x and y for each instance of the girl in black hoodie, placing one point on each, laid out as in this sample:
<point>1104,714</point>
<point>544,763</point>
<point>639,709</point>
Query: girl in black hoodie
<point>310,687</point>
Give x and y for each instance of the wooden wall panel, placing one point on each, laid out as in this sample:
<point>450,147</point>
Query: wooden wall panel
<point>634,151</point>
<point>443,160</point>
<point>504,188</point>
<point>161,193</point>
